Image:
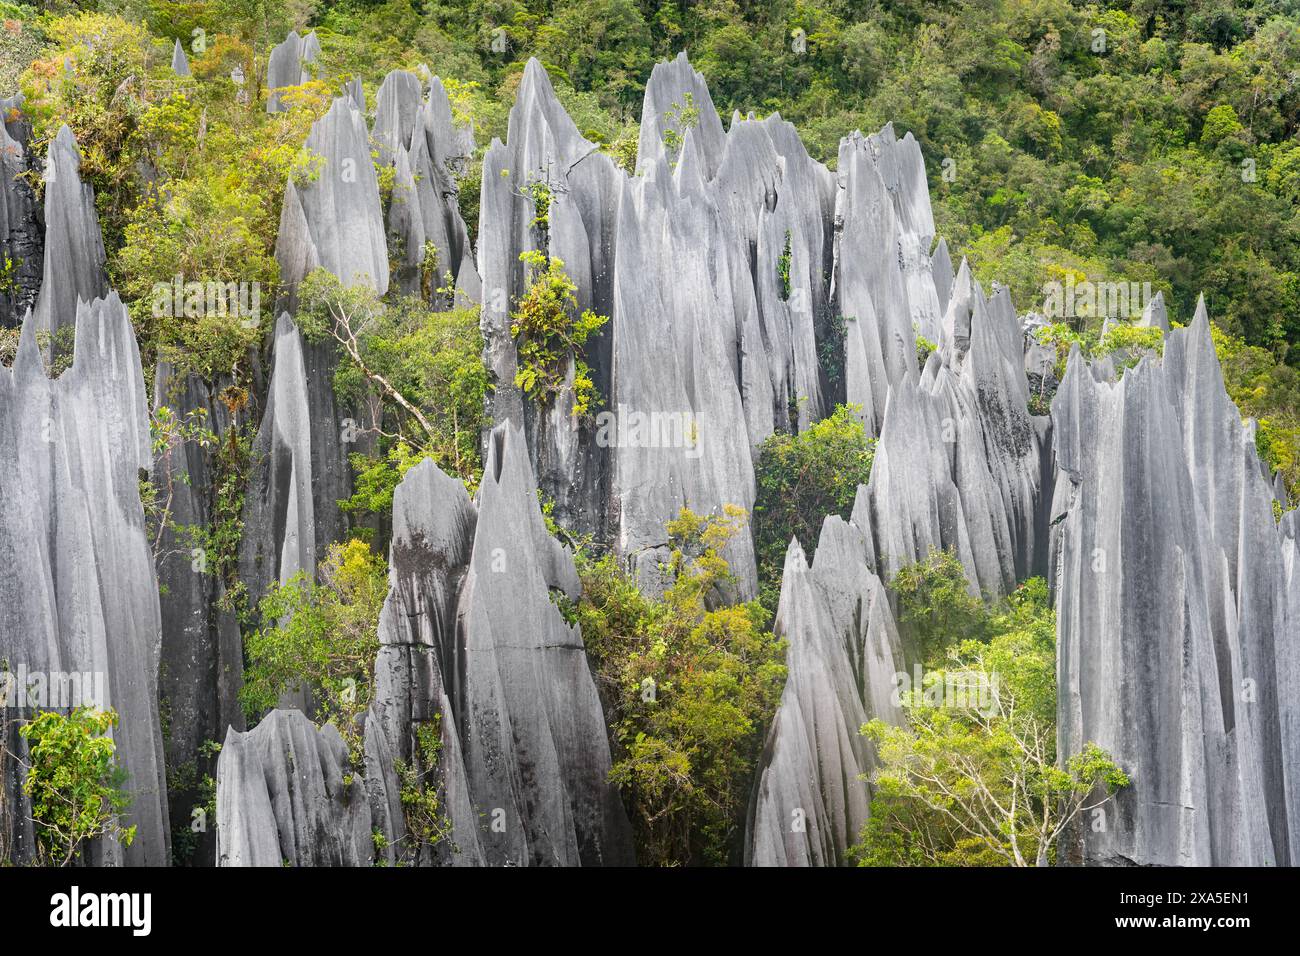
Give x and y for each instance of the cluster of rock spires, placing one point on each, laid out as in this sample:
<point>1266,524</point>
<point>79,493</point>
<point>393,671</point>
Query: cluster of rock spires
<point>749,289</point>
<point>1178,608</point>
<point>474,651</point>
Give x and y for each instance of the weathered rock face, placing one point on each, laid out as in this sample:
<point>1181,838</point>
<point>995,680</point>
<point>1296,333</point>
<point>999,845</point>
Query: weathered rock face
<point>961,464</point>
<point>279,537</point>
<point>202,652</point>
<point>74,245</point>
<point>290,64</point>
<point>871,291</point>
<point>418,137</point>
<point>22,235</point>
<point>790,246</point>
<point>810,803</point>
<point>334,220</point>
<point>536,752</point>
<point>180,62</point>
<point>544,155</point>
<point>1176,613</point>
<point>471,644</point>
<point>79,600</point>
<point>284,797</point>
<point>417,670</point>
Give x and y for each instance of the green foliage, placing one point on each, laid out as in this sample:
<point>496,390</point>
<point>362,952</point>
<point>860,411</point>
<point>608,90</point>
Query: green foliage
<point>74,783</point>
<point>935,604</point>
<point>680,118</point>
<point>539,191</point>
<point>1269,392</point>
<point>688,693</point>
<point>377,478</point>
<point>802,479</point>
<point>20,43</point>
<point>420,791</point>
<point>973,779</point>
<point>923,349</point>
<point>550,333</point>
<point>425,365</point>
<point>783,269</point>
<point>322,637</point>
<point>1132,338</point>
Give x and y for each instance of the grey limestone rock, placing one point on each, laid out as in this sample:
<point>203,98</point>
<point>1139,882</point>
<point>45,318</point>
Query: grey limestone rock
<point>471,644</point>
<point>334,220</point>
<point>418,136</point>
<point>74,246</point>
<point>291,64</point>
<point>417,669</point>
<point>535,745</point>
<point>810,802</point>
<point>285,797</point>
<point>545,152</point>
<point>180,62</point>
<point>961,464</point>
<point>79,597</point>
<point>201,665</point>
<point>22,235</point>
<point>1177,635</point>
<point>280,537</point>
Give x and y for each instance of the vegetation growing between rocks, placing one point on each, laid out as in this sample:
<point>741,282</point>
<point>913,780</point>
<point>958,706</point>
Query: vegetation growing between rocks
<point>320,638</point>
<point>425,368</point>
<point>688,690</point>
<point>550,333</point>
<point>972,779</point>
<point>74,783</point>
<point>801,480</point>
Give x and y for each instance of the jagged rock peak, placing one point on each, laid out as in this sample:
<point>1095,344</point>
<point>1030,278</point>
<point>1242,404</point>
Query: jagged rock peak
<point>74,245</point>
<point>279,537</point>
<point>334,220</point>
<point>535,744</point>
<point>292,63</point>
<point>285,797</point>
<point>80,596</point>
<point>810,801</point>
<point>1160,482</point>
<point>676,93</point>
<point>180,62</point>
<point>418,136</point>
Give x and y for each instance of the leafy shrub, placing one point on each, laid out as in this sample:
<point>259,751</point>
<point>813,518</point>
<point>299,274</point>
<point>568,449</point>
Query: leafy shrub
<point>801,480</point>
<point>74,783</point>
<point>688,693</point>
<point>972,779</point>
<point>549,334</point>
<point>320,636</point>
<point>935,606</point>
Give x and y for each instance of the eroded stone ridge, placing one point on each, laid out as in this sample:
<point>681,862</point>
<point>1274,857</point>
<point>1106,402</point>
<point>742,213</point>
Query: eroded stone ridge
<point>79,613</point>
<point>292,63</point>
<point>74,246</point>
<point>811,801</point>
<point>285,797</point>
<point>1177,635</point>
<point>475,654</point>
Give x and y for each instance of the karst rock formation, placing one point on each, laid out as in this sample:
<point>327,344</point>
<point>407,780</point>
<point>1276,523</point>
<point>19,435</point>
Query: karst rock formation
<point>749,290</point>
